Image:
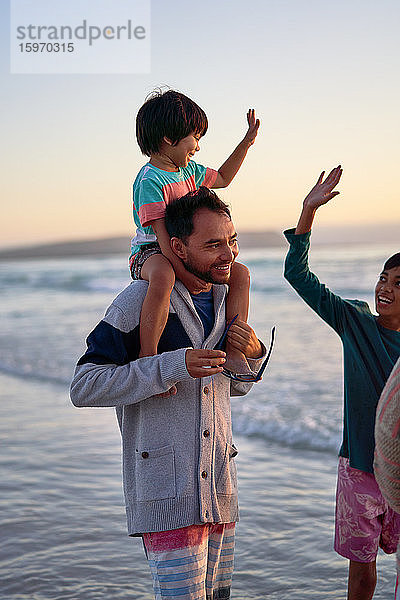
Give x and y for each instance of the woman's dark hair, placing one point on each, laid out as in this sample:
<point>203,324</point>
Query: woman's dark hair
<point>168,114</point>
<point>179,213</point>
<point>392,262</point>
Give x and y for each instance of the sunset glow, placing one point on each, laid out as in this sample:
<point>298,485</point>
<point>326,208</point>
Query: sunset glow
<point>322,78</point>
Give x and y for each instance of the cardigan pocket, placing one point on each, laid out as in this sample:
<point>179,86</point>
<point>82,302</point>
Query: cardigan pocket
<point>155,474</point>
<point>226,482</point>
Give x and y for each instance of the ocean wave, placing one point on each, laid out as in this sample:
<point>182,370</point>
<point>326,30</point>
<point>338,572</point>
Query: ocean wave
<point>269,288</point>
<point>65,282</point>
<point>26,371</point>
<point>78,282</point>
<point>302,435</point>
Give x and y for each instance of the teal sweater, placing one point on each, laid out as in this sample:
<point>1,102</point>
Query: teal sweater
<point>369,351</point>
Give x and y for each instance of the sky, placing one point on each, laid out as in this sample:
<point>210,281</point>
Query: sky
<point>323,78</point>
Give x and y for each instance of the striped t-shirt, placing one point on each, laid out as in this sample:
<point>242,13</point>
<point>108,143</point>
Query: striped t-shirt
<point>154,188</point>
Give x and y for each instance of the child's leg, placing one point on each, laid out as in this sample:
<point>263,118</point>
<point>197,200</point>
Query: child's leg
<point>237,303</point>
<point>158,271</point>
<point>361,581</point>
<point>356,493</point>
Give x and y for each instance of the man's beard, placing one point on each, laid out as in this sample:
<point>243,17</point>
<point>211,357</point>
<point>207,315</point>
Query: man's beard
<point>204,275</point>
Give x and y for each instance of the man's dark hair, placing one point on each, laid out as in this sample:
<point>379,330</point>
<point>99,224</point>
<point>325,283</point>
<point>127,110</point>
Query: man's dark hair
<point>179,213</point>
<point>392,262</point>
<point>168,114</point>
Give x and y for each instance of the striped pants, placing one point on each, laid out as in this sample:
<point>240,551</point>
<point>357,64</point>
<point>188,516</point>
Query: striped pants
<point>192,563</point>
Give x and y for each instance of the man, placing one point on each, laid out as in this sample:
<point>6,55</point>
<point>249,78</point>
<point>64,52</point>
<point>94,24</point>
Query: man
<point>371,346</point>
<point>178,468</point>
<point>387,449</point>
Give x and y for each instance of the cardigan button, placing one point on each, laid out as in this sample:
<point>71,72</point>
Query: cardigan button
<point>145,455</point>
<point>204,474</point>
<point>206,390</point>
<point>206,433</point>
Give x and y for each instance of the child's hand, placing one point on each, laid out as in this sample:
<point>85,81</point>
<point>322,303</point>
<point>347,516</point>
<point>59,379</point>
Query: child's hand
<point>254,124</point>
<point>322,190</point>
<point>194,284</point>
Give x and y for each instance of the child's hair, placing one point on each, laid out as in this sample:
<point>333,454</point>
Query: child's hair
<point>392,262</point>
<point>168,114</point>
<point>179,213</point>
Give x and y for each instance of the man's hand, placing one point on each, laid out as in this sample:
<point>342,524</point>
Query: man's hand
<point>322,190</point>
<point>254,124</point>
<point>193,283</point>
<point>242,337</point>
<point>203,363</point>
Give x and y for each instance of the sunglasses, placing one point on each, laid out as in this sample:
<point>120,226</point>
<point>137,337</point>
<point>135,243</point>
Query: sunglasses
<point>245,378</point>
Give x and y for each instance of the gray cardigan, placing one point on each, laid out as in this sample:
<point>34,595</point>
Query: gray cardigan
<point>178,466</point>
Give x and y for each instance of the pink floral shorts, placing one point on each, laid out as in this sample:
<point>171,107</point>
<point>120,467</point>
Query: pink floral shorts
<point>364,521</point>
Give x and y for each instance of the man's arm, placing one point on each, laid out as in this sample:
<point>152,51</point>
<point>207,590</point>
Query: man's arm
<point>109,385</point>
<point>110,374</point>
<point>232,165</point>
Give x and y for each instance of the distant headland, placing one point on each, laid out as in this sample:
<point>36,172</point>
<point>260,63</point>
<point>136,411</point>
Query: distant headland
<point>322,235</point>
<point>119,245</point>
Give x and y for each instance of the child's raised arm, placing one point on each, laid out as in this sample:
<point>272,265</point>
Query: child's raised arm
<point>320,194</point>
<point>232,165</point>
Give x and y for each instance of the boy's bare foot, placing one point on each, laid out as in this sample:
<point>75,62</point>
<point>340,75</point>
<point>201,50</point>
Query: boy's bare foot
<point>236,362</point>
<point>171,392</point>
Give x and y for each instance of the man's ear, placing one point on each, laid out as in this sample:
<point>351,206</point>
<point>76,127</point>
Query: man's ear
<point>178,248</point>
<point>167,141</point>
